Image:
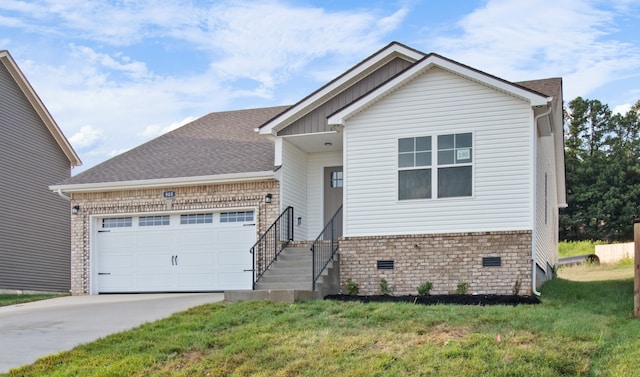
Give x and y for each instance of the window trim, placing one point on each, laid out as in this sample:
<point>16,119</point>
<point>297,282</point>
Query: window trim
<point>435,166</point>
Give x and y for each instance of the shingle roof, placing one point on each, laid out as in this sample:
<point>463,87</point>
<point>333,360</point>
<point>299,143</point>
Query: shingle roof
<point>551,87</point>
<point>217,143</point>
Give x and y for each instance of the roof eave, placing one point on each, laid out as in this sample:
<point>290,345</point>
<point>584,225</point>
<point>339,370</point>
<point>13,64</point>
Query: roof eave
<point>164,182</point>
<point>40,108</point>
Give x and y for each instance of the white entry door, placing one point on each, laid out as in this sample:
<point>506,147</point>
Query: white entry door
<point>175,253</point>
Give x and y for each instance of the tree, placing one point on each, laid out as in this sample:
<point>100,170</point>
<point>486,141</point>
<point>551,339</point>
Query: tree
<point>602,158</point>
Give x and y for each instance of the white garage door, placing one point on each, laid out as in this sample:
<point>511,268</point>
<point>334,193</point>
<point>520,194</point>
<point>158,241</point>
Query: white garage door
<point>175,253</point>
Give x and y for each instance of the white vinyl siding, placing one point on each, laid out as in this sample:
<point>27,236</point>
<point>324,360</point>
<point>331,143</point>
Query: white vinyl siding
<point>546,232</point>
<point>293,186</point>
<point>316,162</point>
<point>438,103</point>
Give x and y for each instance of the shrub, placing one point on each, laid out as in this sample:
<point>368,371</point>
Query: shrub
<point>424,288</point>
<point>462,287</point>
<point>352,287</point>
<point>385,288</point>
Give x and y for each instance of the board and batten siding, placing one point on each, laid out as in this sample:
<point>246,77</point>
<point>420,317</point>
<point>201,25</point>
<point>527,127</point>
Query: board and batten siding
<point>316,162</point>
<point>34,222</point>
<point>316,120</point>
<point>436,103</point>
<point>293,186</point>
<point>546,234</point>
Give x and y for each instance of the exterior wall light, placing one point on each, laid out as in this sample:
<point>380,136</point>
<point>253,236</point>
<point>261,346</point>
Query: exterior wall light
<point>268,198</point>
<point>75,210</point>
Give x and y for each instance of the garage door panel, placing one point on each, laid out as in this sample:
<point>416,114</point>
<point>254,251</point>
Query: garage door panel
<point>234,280</point>
<point>176,257</point>
<point>116,282</point>
<point>153,240</point>
<point>197,259</point>
<point>115,241</point>
<point>196,237</point>
<point>153,260</point>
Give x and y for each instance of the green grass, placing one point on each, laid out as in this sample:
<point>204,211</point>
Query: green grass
<point>580,329</point>
<point>574,248</point>
<point>12,299</point>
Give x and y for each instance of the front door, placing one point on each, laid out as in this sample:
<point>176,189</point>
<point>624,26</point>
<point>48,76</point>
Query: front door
<point>333,182</point>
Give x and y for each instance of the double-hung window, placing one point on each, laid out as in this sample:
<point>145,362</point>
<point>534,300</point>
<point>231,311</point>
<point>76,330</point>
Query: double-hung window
<point>414,168</point>
<point>440,164</point>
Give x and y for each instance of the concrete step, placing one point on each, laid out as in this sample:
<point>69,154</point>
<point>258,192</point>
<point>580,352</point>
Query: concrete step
<point>281,295</point>
<point>285,278</point>
<point>283,286</point>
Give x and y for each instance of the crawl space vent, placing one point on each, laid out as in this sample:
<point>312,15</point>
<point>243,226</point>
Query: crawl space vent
<point>385,265</point>
<point>491,262</point>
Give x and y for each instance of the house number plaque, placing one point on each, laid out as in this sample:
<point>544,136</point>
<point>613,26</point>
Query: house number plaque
<point>169,194</point>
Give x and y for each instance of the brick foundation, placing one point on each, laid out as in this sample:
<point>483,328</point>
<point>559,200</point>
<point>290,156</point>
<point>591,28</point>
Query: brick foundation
<point>202,197</point>
<point>443,259</point>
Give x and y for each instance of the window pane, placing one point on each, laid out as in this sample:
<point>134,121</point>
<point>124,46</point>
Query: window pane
<point>463,140</point>
<point>454,182</point>
<point>445,157</point>
<point>423,159</point>
<point>445,142</point>
<point>405,160</point>
<point>414,184</point>
<point>423,143</point>
<point>406,145</point>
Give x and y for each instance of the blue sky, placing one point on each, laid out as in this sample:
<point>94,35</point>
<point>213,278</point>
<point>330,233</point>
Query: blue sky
<point>115,74</point>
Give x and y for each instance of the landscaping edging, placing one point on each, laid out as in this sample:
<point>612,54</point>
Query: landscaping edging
<point>480,300</point>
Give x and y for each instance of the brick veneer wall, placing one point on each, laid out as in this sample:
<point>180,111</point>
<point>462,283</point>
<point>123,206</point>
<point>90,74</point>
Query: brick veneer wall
<point>202,197</point>
<point>443,259</point>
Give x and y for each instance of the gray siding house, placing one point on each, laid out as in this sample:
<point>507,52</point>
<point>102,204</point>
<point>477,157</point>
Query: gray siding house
<point>34,222</point>
<point>411,167</point>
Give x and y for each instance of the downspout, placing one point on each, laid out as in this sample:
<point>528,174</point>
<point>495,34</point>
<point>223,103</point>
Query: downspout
<point>67,197</point>
<point>535,200</point>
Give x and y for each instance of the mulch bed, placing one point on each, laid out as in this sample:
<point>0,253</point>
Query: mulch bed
<point>480,300</point>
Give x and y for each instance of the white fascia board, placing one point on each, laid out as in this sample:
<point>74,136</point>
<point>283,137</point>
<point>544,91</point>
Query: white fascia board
<point>341,116</point>
<point>165,182</point>
<point>275,125</point>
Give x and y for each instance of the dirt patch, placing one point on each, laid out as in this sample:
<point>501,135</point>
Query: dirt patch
<point>481,300</point>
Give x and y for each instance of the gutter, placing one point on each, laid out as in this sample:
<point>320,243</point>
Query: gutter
<point>164,182</point>
<point>535,201</point>
<point>62,194</point>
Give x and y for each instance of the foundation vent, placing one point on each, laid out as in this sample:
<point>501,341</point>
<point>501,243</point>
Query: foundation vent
<point>385,265</point>
<point>491,262</point>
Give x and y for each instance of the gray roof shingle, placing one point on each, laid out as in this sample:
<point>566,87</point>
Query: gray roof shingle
<point>217,143</point>
<point>551,87</point>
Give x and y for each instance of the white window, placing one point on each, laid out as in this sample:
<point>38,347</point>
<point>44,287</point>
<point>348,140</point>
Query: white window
<point>233,217</point>
<point>117,222</point>
<point>197,218</point>
<point>454,165</point>
<point>153,220</point>
<point>452,176</point>
<point>414,168</point>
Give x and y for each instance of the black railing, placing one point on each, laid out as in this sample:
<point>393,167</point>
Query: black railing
<point>325,246</point>
<point>271,243</point>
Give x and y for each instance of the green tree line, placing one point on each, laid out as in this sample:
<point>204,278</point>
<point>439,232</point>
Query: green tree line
<point>602,157</point>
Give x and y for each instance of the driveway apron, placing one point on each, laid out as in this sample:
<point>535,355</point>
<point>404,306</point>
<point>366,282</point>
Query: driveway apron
<point>33,330</point>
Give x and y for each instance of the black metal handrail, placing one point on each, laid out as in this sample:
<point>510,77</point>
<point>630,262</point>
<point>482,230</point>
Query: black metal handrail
<point>325,246</point>
<point>266,250</point>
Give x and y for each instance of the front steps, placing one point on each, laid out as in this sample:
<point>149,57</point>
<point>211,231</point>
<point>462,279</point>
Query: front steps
<point>289,279</point>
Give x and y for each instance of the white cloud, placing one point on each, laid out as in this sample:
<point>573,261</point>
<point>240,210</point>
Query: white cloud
<point>520,40</point>
<point>622,109</point>
<point>86,137</point>
<point>154,130</point>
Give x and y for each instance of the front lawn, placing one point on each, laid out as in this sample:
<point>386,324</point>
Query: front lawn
<point>580,329</point>
<point>13,299</point>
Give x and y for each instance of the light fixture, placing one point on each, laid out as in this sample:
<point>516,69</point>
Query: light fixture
<point>268,198</point>
<point>75,210</point>
<point>299,221</point>
<point>328,144</point>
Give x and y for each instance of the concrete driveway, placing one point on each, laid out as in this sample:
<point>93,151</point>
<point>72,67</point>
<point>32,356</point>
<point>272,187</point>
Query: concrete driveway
<point>33,330</point>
